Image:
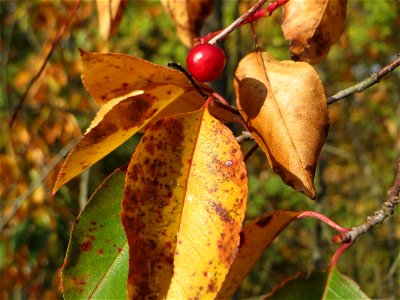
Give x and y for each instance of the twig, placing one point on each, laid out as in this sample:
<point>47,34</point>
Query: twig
<point>237,22</point>
<point>386,210</point>
<point>371,80</point>
<point>17,202</point>
<point>251,151</point>
<point>245,136</point>
<point>44,64</point>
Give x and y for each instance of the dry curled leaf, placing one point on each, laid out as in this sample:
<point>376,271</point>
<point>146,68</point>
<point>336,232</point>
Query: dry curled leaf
<point>284,106</point>
<point>183,207</point>
<point>313,26</point>
<point>188,16</point>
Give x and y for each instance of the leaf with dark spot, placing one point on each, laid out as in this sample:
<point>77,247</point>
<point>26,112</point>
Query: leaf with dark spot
<point>118,121</point>
<point>183,207</point>
<point>96,264</point>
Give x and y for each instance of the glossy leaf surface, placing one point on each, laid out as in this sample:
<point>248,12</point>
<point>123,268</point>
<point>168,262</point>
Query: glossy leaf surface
<point>313,26</point>
<point>284,106</point>
<point>96,264</point>
<point>114,126</point>
<point>184,202</point>
<point>326,285</point>
<point>188,16</point>
<point>255,238</point>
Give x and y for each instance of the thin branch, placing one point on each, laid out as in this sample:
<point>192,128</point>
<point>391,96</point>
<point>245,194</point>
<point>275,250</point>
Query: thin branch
<point>251,151</point>
<point>237,22</point>
<point>17,202</point>
<point>371,80</point>
<point>245,136</point>
<point>386,211</point>
<point>44,64</point>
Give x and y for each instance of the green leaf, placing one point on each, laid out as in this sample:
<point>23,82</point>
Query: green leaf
<point>96,264</point>
<point>325,285</point>
<point>340,286</point>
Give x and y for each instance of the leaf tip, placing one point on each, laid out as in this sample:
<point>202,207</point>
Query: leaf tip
<point>82,52</point>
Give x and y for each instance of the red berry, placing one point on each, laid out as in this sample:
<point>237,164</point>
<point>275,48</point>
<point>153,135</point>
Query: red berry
<point>205,62</point>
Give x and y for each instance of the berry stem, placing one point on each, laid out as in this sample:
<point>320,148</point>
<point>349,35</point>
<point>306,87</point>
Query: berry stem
<point>239,21</point>
<point>325,219</point>
<point>177,66</point>
<point>220,99</point>
<point>338,253</point>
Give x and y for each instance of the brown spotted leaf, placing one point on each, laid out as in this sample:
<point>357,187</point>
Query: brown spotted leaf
<point>255,238</point>
<point>184,202</point>
<point>313,26</point>
<point>284,106</point>
<point>188,16</point>
<point>109,13</point>
<point>134,93</point>
<point>108,76</point>
<point>117,121</point>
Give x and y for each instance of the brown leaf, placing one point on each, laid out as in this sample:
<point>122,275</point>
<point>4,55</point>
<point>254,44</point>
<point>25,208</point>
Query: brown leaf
<point>313,26</point>
<point>189,16</point>
<point>284,106</point>
<point>183,207</point>
<point>109,13</point>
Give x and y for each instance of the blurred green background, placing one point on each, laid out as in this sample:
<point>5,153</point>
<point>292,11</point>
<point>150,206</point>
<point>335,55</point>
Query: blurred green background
<point>356,167</point>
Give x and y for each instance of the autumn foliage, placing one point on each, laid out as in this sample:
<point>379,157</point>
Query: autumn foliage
<point>173,223</point>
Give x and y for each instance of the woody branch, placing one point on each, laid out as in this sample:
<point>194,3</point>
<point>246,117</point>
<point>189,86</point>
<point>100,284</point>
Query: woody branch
<point>386,210</point>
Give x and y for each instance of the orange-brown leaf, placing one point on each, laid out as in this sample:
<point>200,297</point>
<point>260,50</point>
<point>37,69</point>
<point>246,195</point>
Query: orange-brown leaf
<point>184,202</point>
<point>111,75</point>
<point>284,106</point>
<point>189,16</point>
<point>117,121</point>
<point>109,13</point>
<point>255,238</point>
<point>313,26</point>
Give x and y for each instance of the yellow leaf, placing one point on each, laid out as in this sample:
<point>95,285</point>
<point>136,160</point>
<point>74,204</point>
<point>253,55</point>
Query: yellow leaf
<point>313,26</point>
<point>255,238</point>
<point>109,13</point>
<point>189,16</point>
<point>108,76</point>
<point>284,106</point>
<point>184,203</point>
<point>113,126</point>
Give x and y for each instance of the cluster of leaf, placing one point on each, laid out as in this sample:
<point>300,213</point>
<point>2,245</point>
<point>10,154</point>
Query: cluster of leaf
<point>98,239</point>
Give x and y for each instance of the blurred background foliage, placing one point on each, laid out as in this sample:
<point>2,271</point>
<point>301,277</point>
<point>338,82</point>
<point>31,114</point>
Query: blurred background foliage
<point>356,167</point>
